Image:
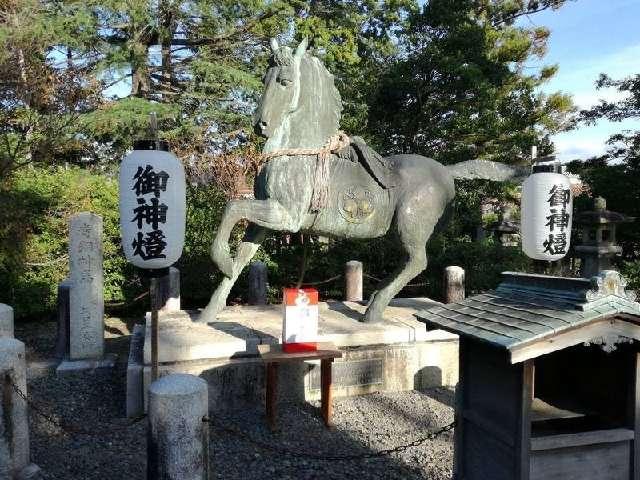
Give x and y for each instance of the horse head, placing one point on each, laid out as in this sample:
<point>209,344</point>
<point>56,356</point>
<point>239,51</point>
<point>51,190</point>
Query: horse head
<point>297,87</point>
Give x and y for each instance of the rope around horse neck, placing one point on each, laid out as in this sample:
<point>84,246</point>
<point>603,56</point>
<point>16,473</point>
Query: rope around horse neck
<point>334,144</point>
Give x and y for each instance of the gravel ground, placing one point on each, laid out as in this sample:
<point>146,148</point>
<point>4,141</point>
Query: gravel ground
<point>94,403</point>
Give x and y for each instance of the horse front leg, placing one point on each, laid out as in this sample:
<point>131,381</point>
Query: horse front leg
<point>247,249</point>
<point>264,213</point>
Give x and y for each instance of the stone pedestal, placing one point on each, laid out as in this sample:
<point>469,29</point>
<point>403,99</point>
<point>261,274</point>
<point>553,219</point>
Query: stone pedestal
<point>178,439</point>
<point>86,303</point>
<point>396,355</point>
<point>6,321</point>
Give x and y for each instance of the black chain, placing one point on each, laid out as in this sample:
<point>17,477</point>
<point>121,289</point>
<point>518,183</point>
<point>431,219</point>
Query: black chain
<point>70,428</point>
<point>308,455</point>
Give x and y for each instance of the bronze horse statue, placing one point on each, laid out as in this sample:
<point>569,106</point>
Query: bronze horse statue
<point>364,194</point>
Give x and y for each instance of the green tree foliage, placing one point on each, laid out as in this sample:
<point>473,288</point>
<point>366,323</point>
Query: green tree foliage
<point>462,90</point>
<point>37,204</point>
<point>199,63</point>
<point>40,103</point>
<point>616,175</point>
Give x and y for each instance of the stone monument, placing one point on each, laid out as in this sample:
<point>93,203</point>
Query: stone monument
<point>86,300</point>
<point>318,180</point>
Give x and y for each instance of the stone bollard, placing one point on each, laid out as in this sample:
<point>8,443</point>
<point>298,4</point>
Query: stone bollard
<point>62,337</point>
<point>6,321</point>
<point>258,281</point>
<point>353,281</point>
<point>178,438</point>
<point>169,291</point>
<point>453,284</point>
<point>14,421</point>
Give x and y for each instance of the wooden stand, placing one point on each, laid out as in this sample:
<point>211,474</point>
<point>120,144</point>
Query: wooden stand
<point>272,356</point>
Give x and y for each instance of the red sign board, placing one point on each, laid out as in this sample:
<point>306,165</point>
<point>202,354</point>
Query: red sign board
<point>300,320</point>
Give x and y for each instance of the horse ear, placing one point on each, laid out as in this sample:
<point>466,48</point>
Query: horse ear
<point>274,45</point>
<point>302,48</point>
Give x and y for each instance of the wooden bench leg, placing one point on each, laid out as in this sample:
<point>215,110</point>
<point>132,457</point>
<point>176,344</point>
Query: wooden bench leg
<point>325,392</point>
<point>271,393</point>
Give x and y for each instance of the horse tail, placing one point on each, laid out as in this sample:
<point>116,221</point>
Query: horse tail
<point>486,170</point>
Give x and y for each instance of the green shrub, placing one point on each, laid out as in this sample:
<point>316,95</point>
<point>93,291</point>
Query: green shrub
<point>37,204</point>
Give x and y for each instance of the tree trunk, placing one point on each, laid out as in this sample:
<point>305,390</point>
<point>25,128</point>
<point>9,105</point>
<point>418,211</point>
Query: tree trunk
<point>166,34</point>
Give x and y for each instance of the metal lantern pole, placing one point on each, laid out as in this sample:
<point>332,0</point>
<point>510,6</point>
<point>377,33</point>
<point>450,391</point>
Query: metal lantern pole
<point>154,295</point>
<point>152,217</point>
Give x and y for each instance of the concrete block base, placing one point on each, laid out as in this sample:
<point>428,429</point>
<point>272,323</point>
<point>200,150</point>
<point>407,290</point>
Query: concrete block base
<point>397,355</point>
<point>73,366</point>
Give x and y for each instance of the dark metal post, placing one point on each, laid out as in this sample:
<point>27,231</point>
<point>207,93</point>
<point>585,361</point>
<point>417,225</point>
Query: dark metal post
<point>153,294</point>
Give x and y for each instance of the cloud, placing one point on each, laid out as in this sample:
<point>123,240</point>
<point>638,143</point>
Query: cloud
<point>588,141</point>
<point>571,147</point>
<point>580,82</point>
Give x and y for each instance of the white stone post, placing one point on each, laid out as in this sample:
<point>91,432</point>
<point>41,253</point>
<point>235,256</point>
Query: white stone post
<point>6,321</point>
<point>178,439</point>
<point>169,294</point>
<point>353,281</point>
<point>258,281</point>
<point>14,422</point>
<point>86,329</point>
<point>454,290</point>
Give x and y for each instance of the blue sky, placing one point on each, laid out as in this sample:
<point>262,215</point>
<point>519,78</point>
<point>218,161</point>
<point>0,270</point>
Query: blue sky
<point>589,37</point>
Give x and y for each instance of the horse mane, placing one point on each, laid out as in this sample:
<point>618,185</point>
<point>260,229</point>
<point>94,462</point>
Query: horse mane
<point>320,105</point>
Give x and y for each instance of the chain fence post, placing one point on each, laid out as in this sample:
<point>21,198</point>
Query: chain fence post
<point>178,438</point>
<point>14,441</point>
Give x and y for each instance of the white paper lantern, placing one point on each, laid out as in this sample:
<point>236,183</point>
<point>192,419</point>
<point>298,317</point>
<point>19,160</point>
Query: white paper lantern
<point>152,207</point>
<point>547,207</point>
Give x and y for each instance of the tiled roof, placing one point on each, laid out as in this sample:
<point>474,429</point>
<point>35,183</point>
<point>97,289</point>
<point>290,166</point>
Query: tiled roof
<point>527,307</point>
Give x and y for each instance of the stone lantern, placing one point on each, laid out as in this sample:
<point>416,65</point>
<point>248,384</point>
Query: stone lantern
<point>507,229</point>
<point>598,245</point>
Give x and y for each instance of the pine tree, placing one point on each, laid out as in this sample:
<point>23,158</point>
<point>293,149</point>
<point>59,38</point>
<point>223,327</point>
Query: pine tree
<point>462,92</point>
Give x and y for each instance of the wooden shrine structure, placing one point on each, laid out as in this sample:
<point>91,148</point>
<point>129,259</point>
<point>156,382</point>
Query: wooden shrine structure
<point>549,379</point>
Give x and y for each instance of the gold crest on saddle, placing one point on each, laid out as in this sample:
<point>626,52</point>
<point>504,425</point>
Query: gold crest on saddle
<point>356,204</point>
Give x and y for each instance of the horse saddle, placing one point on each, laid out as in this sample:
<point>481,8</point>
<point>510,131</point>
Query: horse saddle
<point>375,164</point>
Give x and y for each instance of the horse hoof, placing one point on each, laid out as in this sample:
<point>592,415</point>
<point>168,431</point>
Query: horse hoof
<point>372,316</point>
<point>207,315</point>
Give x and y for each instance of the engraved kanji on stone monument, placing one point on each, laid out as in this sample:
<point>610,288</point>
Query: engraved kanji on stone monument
<point>86,328</point>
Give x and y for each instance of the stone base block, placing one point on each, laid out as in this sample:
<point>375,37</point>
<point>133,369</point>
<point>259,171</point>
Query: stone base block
<point>397,355</point>
<point>73,366</point>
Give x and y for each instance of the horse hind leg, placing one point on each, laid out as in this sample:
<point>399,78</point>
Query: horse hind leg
<point>246,250</point>
<point>414,234</point>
